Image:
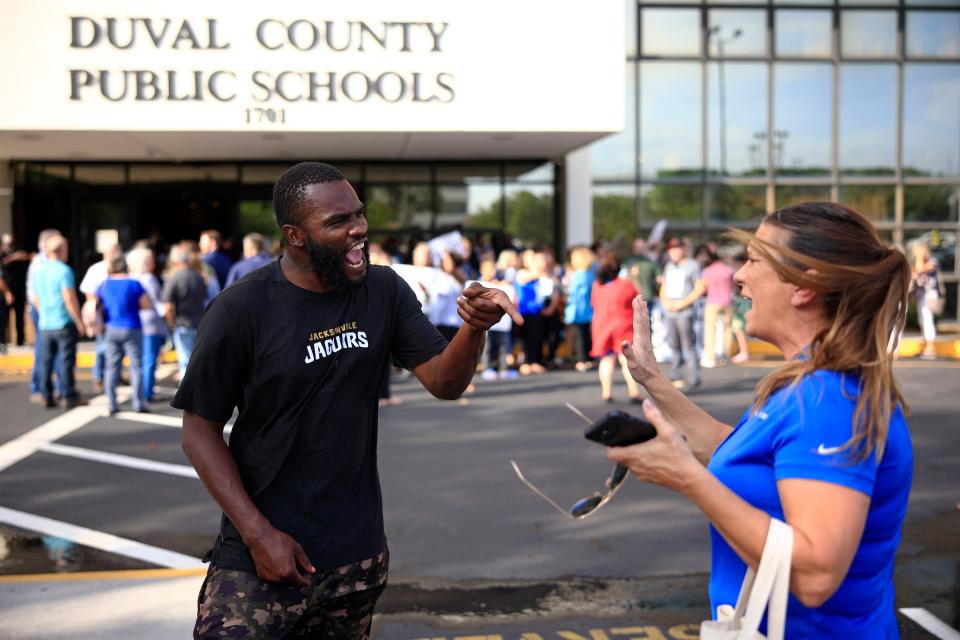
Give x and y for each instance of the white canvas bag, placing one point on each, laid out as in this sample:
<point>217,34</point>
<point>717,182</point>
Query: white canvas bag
<point>766,589</point>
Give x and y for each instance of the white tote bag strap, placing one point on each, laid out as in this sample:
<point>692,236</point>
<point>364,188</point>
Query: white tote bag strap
<point>777,609</point>
<point>745,588</point>
<point>773,575</point>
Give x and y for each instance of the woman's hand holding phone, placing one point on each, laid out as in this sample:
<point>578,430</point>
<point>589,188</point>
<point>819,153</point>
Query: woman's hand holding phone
<point>664,459</point>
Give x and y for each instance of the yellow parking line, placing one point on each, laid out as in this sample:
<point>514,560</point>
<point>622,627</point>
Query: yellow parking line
<point>132,574</point>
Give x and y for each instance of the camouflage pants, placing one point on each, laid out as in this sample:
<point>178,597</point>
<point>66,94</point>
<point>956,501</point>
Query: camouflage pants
<point>338,604</point>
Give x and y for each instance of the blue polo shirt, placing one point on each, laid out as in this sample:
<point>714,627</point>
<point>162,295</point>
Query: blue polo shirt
<point>797,434</point>
<point>48,281</point>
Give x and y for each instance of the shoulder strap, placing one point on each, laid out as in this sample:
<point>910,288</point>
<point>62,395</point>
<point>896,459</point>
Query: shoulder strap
<point>771,585</point>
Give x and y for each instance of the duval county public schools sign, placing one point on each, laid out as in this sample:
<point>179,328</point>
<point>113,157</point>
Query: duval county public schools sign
<point>429,65</point>
<point>271,34</point>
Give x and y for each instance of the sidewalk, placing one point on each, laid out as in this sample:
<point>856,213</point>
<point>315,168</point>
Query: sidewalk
<point>104,605</point>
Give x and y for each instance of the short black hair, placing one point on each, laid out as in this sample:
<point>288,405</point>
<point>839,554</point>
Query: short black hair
<point>289,189</point>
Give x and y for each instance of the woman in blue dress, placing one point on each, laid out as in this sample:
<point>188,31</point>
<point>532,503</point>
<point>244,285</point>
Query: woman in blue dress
<point>824,447</point>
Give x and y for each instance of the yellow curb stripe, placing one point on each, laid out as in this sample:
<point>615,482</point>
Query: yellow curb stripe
<point>132,574</point>
<point>24,361</point>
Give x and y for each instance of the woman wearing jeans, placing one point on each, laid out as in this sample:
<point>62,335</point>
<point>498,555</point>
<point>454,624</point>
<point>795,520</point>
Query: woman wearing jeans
<point>141,264</point>
<point>122,297</point>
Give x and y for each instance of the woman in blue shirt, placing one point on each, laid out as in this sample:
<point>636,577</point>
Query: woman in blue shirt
<point>122,297</point>
<point>824,447</point>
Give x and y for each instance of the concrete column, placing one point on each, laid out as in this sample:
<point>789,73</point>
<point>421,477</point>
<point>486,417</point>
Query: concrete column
<point>6,197</point>
<point>578,203</point>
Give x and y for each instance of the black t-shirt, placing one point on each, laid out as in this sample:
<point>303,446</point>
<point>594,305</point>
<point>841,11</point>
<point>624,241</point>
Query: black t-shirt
<point>187,291</point>
<point>304,369</point>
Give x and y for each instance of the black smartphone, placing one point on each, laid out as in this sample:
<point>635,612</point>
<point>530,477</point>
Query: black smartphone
<point>619,429</point>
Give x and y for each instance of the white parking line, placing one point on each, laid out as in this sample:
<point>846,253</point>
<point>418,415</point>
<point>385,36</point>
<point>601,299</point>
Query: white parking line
<point>150,418</point>
<point>99,540</point>
<point>165,421</point>
<point>120,460</point>
<point>931,623</point>
<point>27,444</point>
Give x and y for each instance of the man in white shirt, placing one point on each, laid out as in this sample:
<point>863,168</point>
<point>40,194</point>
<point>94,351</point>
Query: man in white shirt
<point>95,276</point>
<point>682,286</point>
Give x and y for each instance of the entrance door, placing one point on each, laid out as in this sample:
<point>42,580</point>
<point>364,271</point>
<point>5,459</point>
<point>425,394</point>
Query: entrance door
<point>171,218</point>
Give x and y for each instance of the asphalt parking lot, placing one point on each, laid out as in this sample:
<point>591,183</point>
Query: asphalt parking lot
<point>473,553</point>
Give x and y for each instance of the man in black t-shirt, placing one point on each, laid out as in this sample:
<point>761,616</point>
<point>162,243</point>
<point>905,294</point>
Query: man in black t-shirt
<point>299,347</point>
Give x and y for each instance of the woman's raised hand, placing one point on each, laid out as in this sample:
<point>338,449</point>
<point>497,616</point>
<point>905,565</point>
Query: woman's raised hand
<point>639,353</point>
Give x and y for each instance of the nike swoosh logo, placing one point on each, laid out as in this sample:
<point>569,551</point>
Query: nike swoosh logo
<point>828,451</point>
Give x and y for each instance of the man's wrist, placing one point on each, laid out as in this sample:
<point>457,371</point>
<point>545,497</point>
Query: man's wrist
<point>257,528</point>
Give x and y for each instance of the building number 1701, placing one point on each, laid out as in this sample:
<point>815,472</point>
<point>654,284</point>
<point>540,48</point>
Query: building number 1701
<point>259,115</point>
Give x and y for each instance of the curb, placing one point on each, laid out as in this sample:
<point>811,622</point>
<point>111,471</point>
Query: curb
<point>910,347</point>
<point>23,362</point>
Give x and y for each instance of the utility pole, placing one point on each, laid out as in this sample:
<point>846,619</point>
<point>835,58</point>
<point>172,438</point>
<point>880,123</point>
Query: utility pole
<point>715,31</point>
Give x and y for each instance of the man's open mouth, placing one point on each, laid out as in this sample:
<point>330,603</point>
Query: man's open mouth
<point>354,257</point>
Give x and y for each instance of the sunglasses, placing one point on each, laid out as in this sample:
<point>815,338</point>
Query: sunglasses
<point>581,508</point>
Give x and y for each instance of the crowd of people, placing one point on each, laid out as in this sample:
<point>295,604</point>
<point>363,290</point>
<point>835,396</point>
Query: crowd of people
<point>130,307</point>
<point>574,312</point>
<point>577,313</point>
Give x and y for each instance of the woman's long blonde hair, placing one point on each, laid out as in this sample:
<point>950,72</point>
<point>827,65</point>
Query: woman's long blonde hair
<point>836,252</point>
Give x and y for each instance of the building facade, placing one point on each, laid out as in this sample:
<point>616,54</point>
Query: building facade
<point>594,124</point>
<point>738,108</point>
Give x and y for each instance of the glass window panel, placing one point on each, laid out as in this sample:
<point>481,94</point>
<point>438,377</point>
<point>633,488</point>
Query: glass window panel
<point>737,32</point>
<point>803,33</point>
<point>100,173</point>
<point>670,126</point>
<point>871,2</point>
<point>614,211</point>
<point>737,1</point>
<point>469,205</point>
<point>398,173</point>
<point>868,34</point>
<point>934,34</point>
<point>675,202</point>
<point>96,214</point>
<point>268,173</point>
<point>398,206</point>
<point>630,21</point>
<point>828,3</point>
<point>615,157</point>
<point>257,216</point>
<point>146,173</point>
<point>530,172</point>
<point>875,202</point>
<point>530,214</point>
<point>938,3</point>
<point>37,173</point>
<point>729,202</point>
<point>261,173</point>
<point>931,203</point>
<point>476,206</point>
<point>943,246</point>
<point>470,173</point>
<point>679,1</point>
<point>931,120</point>
<point>670,32</point>
<point>737,113</point>
<point>787,194</point>
<point>802,120</point>
<point>868,119</point>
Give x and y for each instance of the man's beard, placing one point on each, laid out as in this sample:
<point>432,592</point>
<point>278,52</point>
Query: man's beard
<point>330,264</point>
